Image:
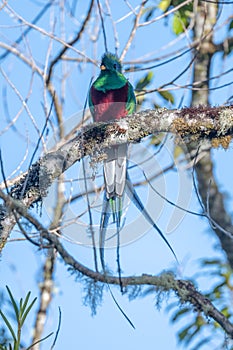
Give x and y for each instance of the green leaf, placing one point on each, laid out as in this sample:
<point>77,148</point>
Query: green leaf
<point>184,332</point>
<point>24,304</point>
<point>140,85</point>
<point>164,4</point>
<point>148,12</point>
<point>143,82</point>
<point>140,99</point>
<point>231,25</point>
<point>166,95</point>
<point>180,22</point>
<point>200,321</point>
<point>210,262</point>
<point>20,304</point>
<point>177,151</point>
<point>156,139</point>
<point>180,313</point>
<point>156,105</point>
<point>13,303</point>
<point>8,325</point>
<point>27,311</point>
<point>225,312</point>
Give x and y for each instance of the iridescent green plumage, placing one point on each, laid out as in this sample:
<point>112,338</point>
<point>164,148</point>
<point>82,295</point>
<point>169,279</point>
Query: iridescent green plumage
<point>110,76</point>
<point>112,97</point>
<point>109,88</point>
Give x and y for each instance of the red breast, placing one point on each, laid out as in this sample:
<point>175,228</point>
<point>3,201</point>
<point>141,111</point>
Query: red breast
<point>109,105</point>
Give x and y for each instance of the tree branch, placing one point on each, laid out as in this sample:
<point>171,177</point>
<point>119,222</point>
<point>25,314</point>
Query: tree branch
<point>196,123</point>
<point>71,43</point>
<point>50,88</point>
<point>185,290</point>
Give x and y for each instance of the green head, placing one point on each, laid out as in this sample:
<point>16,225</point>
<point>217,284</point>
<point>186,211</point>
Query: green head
<point>111,63</point>
<point>110,76</point>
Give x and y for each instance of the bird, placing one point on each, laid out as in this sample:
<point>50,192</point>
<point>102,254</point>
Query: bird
<point>111,97</point>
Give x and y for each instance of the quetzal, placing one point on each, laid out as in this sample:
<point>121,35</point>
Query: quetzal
<point>112,97</point>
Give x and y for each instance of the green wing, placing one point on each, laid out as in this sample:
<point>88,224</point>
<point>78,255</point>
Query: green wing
<point>91,106</point>
<point>102,84</point>
<point>131,101</point>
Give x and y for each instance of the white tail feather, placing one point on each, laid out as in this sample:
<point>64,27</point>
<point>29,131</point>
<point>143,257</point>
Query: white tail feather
<point>115,170</point>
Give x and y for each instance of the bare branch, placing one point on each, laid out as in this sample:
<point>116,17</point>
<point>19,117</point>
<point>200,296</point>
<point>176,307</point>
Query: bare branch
<point>196,123</point>
<point>185,290</point>
<point>134,30</point>
<point>70,44</point>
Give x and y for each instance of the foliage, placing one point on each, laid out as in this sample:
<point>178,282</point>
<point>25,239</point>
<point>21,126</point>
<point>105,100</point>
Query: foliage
<point>219,292</point>
<point>181,17</point>
<point>141,87</point>
<point>231,25</point>
<point>167,96</point>
<point>20,313</point>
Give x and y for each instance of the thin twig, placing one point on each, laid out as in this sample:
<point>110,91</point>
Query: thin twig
<point>70,44</point>
<point>103,28</point>
<point>133,30</point>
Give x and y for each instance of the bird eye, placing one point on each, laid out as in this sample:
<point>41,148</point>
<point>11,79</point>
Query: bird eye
<point>115,66</point>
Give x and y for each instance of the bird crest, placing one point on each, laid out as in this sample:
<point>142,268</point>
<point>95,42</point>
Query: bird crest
<point>110,62</point>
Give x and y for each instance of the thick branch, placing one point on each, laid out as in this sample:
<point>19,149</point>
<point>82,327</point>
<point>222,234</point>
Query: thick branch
<point>226,46</point>
<point>185,290</point>
<point>212,198</point>
<point>213,201</point>
<point>195,123</point>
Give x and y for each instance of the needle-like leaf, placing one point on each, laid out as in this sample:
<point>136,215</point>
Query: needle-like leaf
<point>27,311</point>
<point>8,325</point>
<point>13,303</point>
<point>23,305</point>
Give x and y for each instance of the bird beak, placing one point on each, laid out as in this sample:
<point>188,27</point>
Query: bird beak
<point>102,67</point>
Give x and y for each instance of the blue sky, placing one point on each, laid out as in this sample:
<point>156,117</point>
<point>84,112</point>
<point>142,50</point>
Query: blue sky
<point>21,263</point>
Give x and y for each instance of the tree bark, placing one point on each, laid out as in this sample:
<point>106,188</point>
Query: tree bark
<point>212,198</point>
<point>197,123</point>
